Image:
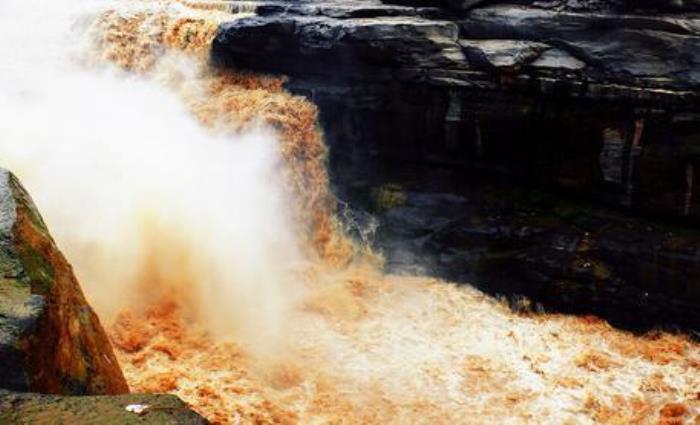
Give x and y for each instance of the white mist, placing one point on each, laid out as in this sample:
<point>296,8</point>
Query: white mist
<point>141,198</point>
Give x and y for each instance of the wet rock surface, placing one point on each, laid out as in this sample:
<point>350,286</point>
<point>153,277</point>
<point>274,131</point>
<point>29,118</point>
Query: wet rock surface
<point>51,341</point>
<point>17,408</point>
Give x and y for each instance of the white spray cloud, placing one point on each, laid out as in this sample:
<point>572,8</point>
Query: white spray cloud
<point>134,190</point>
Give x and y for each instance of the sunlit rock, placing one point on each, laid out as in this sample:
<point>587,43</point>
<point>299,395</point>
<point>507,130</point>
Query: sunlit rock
<point>152,408</point>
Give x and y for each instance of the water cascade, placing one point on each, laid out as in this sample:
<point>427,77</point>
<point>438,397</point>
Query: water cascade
<point>194,204</point>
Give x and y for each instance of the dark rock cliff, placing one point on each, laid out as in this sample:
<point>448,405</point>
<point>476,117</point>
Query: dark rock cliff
<point>541,148</point>
<point>597,96</point>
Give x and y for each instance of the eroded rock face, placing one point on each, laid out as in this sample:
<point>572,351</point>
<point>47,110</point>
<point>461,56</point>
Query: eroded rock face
<point>51,341</point>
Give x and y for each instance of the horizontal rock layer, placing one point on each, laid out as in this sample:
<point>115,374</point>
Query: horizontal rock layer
<point>595,49</point>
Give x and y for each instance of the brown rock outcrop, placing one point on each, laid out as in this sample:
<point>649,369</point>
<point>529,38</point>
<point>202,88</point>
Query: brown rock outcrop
<point>51,341</point>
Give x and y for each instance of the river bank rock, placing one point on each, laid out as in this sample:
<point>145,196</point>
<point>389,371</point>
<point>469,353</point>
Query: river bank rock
<point>51,340</point>
<point>625,51</point>
<point>125,409</point>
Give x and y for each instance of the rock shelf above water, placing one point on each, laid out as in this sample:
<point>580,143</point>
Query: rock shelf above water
<point>588,49</point>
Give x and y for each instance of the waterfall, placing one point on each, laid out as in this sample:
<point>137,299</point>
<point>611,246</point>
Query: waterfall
<point>194,205</point>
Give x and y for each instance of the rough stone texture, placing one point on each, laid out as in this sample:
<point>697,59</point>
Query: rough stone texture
<point>653,51</point>
<point>503,53</point>
<point>530,90</point>
<point>619,47</point>
<point>28,409</point>
<point>51,341</point>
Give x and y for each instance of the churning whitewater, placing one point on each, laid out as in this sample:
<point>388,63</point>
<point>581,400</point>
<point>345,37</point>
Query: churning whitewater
<point>194,204</point>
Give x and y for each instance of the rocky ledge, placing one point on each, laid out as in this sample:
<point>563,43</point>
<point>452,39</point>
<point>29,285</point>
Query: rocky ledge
<point>590,49</point>
<point>599,98</point>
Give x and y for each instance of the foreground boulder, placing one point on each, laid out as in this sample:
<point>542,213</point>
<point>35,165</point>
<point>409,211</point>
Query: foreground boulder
<point>51,340</point>
<point>124,409</point>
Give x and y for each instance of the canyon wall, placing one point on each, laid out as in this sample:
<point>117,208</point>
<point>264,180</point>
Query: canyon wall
<point>547,149</point>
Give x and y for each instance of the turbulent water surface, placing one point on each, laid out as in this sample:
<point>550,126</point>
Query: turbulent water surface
<point>194,205</point>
